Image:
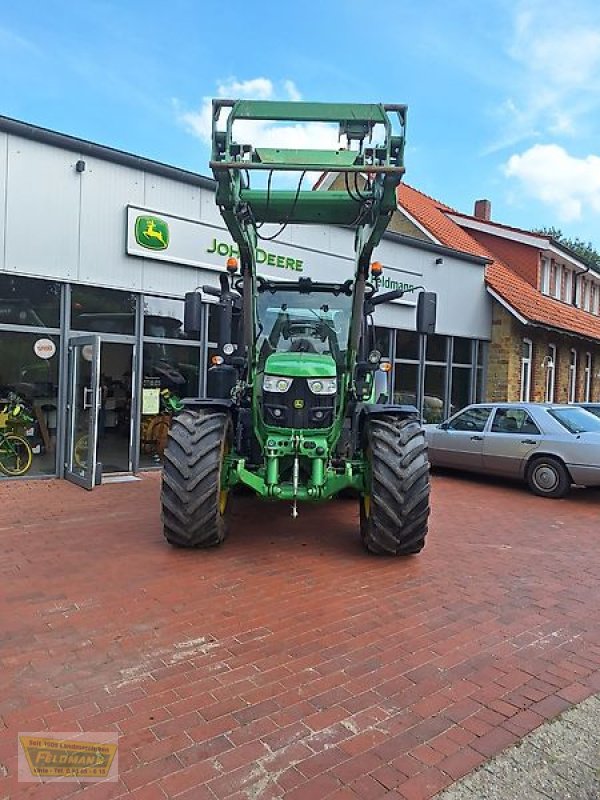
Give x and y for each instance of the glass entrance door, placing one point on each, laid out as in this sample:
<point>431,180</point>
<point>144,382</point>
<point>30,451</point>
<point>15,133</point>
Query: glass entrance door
<point>81,464</point>
<point>116,396</point>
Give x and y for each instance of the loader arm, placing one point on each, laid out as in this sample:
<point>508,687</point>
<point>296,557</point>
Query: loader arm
<point>372,172</point>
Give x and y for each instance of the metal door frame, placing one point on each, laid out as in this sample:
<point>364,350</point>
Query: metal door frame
<point>92,476</point>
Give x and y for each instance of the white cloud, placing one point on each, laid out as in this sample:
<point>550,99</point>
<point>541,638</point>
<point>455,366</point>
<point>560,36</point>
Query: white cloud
<point>567,184</point>
<point>553,73</point>
<point>258,132</point>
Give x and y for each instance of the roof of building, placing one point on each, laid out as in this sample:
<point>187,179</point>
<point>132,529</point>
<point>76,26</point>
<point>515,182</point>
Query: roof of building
<point>524,300</point>
<point>83,147</point>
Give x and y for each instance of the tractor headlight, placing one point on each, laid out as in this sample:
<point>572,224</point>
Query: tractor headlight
<point>274,383</point>
<point>322,385</point>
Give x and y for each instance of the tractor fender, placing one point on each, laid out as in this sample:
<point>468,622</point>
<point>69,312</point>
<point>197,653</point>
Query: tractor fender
<point>224,405</point>
<point>388,410</point>
<point>367,411</point>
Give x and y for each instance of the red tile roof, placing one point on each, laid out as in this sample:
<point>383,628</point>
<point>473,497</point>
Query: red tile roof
<point>524,299</point>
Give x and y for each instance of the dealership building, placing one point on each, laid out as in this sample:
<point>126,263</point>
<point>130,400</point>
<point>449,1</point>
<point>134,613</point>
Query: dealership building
<point>97,250</point>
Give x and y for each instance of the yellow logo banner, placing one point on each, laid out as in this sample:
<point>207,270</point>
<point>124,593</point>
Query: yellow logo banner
<point>49,757</point>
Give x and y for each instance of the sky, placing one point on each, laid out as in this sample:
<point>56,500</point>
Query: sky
<point>503,95</point>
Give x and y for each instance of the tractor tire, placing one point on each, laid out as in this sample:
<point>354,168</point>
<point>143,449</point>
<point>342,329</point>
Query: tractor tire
<point>194,508</point>
<point>394,514</point>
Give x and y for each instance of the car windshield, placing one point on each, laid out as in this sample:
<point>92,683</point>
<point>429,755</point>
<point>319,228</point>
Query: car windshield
<point>576,420</point>
<point>303,322</point>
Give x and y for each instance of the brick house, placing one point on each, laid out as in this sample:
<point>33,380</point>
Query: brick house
<point>545,341</point>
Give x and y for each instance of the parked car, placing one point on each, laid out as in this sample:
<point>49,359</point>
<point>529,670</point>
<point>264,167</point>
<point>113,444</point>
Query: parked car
<point>593,408</point>
<point>549,446</point>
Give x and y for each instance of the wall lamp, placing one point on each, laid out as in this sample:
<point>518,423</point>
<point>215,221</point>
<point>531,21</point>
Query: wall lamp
<point>439,261</point>
<point>80,165</point>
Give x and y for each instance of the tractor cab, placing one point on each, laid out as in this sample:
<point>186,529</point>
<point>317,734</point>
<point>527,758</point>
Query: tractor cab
<point>301,344</point>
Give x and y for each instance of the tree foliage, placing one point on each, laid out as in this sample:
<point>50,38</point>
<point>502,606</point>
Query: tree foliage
<point>585,251</point>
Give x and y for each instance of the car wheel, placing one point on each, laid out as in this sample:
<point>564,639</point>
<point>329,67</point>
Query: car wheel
<point>547,477</point>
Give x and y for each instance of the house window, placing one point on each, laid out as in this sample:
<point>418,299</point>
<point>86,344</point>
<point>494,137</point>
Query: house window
<point>579,292</point>
<point>565,284</point>
<point>587,381</point>
<point>552,283</point>
<point>572,391</point>
<point>586,295</point>
<point>550,365</point>
<point>526,350</point>
<point>594,299</point>
<point>545,276</point>
<point>558,281</point>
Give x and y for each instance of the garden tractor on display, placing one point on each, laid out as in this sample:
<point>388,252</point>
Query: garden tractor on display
<point>297,398</point>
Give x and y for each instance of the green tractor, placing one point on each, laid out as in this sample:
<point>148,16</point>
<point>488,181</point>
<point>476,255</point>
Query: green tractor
<point>297,401</point>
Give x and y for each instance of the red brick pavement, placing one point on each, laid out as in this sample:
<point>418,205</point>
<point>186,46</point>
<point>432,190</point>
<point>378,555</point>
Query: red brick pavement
<point>289,662</point>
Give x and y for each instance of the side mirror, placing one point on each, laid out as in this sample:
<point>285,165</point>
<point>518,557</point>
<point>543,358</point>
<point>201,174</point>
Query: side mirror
<point>192,315</point>
<point>426,312</point>
<point>443,426</point>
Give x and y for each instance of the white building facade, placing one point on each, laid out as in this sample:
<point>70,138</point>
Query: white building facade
<point>86,284</point>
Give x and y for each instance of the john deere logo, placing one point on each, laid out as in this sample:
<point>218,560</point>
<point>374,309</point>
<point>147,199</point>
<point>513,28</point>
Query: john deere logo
<point>152,233</point>
<point>299,403</point>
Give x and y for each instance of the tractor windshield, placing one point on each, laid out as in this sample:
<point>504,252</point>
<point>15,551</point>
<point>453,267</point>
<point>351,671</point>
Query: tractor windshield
<point>303,322</point>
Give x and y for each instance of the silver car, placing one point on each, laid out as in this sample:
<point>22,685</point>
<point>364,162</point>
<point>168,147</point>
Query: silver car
<point>549,446</point>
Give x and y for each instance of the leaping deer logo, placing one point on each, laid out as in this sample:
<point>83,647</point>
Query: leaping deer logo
<point>152,233</point>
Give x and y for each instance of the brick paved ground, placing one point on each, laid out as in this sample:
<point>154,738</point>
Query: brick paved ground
<point>289,661</point>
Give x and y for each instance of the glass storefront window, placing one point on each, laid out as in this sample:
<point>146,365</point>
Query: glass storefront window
<point>461,388</point>
<point>405,383</point>
<point>28,402</point>
<point>436,348</point>
<point>481,353</point>
<point>29,301</point>
<point>173,372</point>
<point>102,310</point>
<point>407,345</point>
<point>434,398</point>
<point>163,317</point>
<point>461,352</point>
<point>382,340</point>
<point>479,387</point>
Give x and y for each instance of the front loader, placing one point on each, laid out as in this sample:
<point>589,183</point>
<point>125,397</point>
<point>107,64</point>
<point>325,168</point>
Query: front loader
<point>297,400</point>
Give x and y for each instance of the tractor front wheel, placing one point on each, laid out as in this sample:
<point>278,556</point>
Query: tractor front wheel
<point>194,504</point>
<point>395,509</point>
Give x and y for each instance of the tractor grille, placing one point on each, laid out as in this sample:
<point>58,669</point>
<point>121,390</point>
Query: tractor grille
<point>298,407</point>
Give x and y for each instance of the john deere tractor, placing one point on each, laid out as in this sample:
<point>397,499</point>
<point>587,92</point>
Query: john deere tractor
<point>297,401</point>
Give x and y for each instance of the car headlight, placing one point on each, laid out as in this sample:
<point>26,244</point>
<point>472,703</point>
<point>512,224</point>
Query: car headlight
<point>322,385</point>
<point>274,383</point>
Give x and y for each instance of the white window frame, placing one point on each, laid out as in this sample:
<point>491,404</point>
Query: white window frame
<point>526,371</point>
<point>587,381</point>
<point>572,391</point>
<point>550,374</point>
